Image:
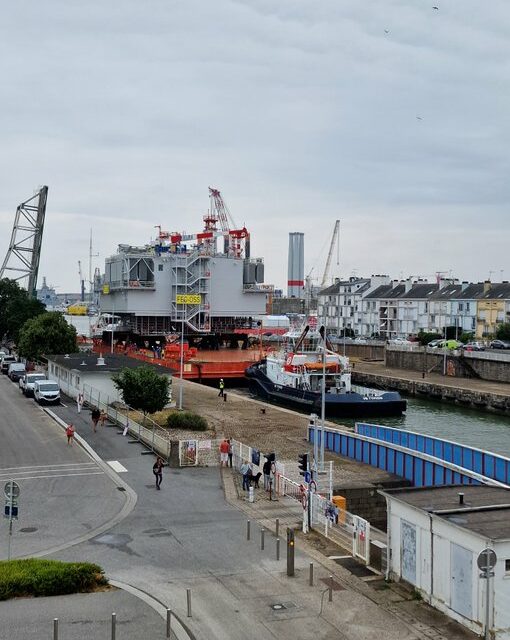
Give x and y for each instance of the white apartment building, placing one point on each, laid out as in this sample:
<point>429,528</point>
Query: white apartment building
<point>340,306</point>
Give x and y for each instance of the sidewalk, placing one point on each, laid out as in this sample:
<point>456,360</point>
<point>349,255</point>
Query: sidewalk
<point>82,615</point>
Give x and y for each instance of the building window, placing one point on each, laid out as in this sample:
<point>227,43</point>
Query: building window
<point>507,565</point>
<point>467,306</point>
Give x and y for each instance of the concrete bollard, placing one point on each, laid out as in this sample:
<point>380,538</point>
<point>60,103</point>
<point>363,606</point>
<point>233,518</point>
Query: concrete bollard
<point>277,548</point>
<point>188,601</point>
<point>55,628</point>
<point>168,623</point>
<point>262,533</point>
<point>310,581</point>
<point>277,534</point>
<point>248,530</point>
<point>251,495</point>
<point>114,626</point>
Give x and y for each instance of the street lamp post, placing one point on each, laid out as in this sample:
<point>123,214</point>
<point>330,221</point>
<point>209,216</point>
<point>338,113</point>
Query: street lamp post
<point>182,357</point>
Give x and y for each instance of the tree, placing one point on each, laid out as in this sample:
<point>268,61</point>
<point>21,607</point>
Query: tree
<point>503,331</point>
<point>16,307</point>
<point>48,333</point>
<point>143,389</point>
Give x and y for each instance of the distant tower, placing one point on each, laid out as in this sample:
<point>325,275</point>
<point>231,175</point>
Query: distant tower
<point>296,276</point>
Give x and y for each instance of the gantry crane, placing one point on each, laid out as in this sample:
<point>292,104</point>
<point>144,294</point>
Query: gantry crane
<point>232,235</point>
<point>334,240</point>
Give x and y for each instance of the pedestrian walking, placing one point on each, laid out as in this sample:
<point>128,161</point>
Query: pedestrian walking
<point>79,401</point>
<point>70,434</point>
<point>266,470</point>
<point>224,446</point>
<point>95,415</point>
<point>230,453</point>
<point>222,388</point>
<point>103,417</point>
<point>246,471</point>
<point>157,470</point>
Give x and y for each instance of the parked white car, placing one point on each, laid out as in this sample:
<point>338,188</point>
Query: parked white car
<point>27,382</point>
<point>46,392</point>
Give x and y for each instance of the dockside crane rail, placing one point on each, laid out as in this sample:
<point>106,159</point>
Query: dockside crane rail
<point>334,240</point>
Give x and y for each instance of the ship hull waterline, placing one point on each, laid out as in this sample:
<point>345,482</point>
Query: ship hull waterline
<point>342,405</point>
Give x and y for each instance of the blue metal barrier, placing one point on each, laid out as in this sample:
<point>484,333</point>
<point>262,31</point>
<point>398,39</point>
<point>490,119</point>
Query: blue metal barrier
<point>423,460</point>
<point>490,465</point>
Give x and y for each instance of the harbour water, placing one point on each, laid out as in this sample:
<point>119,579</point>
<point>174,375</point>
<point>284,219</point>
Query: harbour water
<point>475,428</point>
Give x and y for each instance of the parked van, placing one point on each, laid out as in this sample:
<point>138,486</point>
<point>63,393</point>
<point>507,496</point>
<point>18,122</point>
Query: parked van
<point>16,371</point>
<point>46,392</point>
<point>6,361</point>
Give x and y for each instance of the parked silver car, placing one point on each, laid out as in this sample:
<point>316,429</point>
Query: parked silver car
<point>27,382</point>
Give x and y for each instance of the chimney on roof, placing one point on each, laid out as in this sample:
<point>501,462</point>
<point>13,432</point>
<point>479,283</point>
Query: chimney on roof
<point>487,286</point>
<point>464,285</point>
<point>408,284</point>
<point>100,362</point>
<point>394,283</point>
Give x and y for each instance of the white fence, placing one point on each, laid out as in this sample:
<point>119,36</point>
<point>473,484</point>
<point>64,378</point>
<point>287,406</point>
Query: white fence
<point>150,433</point>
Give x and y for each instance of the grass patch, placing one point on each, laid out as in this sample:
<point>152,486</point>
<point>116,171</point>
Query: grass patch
<point>186,420</point>
<point>39,577</point>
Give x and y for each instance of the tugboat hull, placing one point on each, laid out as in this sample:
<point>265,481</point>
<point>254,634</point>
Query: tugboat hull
<point>341,405</point>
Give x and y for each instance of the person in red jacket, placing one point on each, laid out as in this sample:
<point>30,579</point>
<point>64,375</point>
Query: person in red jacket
<point>224,448</point>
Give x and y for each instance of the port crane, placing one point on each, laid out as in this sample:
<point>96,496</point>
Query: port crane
<point>334,239</point>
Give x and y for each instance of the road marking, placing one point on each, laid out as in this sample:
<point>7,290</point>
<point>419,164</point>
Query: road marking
<point>62,404</point>
<point>116,466</point>
<point>51,466</point>
<point>62,475</point>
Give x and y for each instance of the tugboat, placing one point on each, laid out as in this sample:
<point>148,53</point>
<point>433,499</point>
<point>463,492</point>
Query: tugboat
<point>293,376</point>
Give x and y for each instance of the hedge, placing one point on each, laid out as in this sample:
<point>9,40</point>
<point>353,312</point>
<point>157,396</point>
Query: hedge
<point>39,577</point>
<point>186,420</point>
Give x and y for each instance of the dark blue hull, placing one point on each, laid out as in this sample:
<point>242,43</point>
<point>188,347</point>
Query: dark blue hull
<point>341,405</point>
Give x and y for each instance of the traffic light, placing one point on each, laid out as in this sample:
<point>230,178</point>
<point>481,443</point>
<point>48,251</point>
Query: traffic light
<point>303,463</point>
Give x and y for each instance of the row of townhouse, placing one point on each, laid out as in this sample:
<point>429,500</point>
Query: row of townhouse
<point>386,308</point>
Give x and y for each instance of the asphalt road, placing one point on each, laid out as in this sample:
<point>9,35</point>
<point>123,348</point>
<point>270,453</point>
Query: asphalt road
<point>64,493</point>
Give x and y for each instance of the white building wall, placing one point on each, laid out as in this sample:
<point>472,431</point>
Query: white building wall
<point>433,567</point>
<point>226,297</point>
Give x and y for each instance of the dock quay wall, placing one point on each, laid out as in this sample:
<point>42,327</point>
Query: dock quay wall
<point>486,365</point>
<point>495,402</point>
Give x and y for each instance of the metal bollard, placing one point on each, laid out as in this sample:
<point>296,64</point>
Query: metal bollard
<point>188,599</point>
<point>55,628</point>
<point>277,534</point>
<point>248,530</point>
<point>114,625</point>
<point>168,623</point>
<point>290,551</point>
<point>311,574</point>
<point>262,532</point>
<point>330,590</point>
<point>277,548</point>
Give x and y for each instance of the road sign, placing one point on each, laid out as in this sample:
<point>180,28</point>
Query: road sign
<point>188,298</point>
<point>10,512</point>
<point>11,489</point>
<point>486,559</point>
<point>308,476</point>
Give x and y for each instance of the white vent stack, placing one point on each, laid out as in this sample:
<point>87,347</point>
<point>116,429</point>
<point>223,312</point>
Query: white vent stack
<point>296,273</point>
<point>100,362</point>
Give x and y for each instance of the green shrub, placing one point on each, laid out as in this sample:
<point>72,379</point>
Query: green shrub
<point>186,420</point>
<point>38,577</point>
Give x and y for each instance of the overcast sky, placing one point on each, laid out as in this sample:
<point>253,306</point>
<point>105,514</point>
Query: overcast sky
<point>300,111</point>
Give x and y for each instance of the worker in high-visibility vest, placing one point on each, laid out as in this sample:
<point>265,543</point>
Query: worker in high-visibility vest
<point>222,387</point>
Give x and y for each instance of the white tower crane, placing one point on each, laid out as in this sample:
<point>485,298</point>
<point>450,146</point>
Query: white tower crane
<point>334,239</point>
